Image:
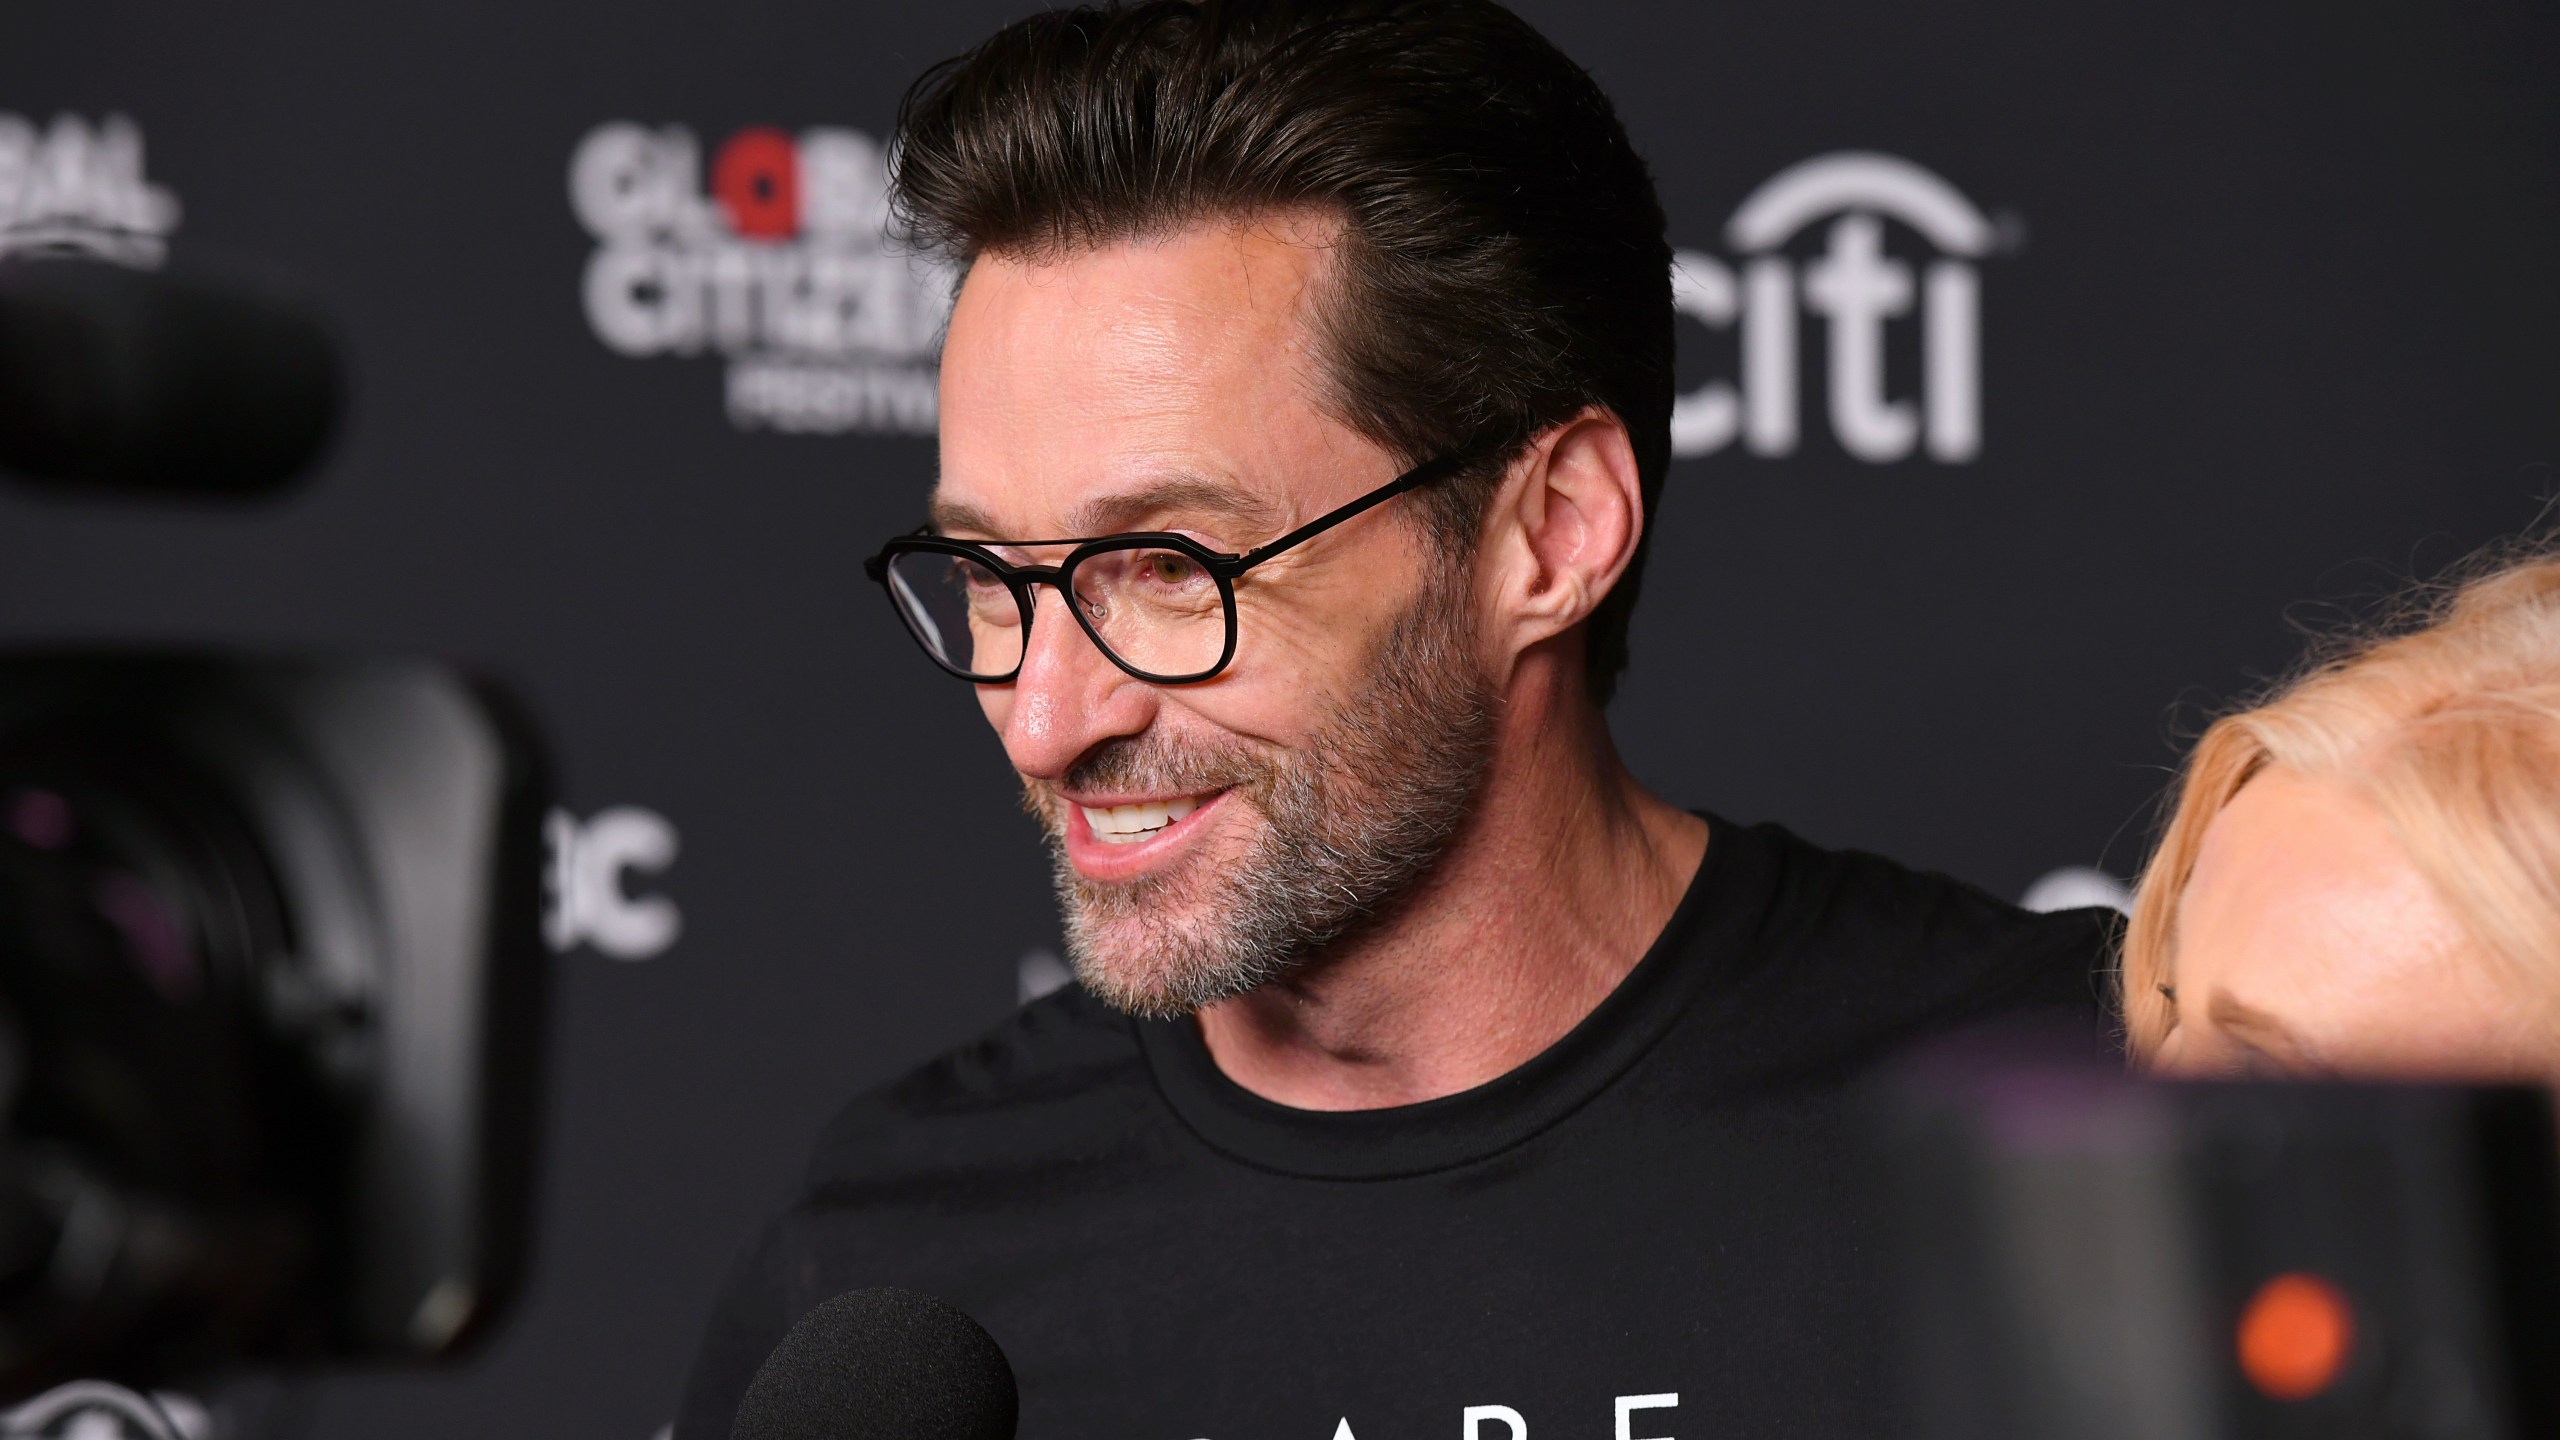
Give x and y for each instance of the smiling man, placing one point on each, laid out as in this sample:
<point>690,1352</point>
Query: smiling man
<point>1304,406</point>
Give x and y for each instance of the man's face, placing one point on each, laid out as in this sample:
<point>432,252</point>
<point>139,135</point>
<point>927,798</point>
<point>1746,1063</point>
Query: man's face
<point>1209,836</point>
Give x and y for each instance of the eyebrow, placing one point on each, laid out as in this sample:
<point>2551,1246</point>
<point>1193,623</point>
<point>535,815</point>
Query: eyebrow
<point>1172,496</point>
<point>2265,1034</point>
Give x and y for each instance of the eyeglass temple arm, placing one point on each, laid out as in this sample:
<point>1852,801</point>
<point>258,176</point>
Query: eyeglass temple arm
<point>1422,474</point>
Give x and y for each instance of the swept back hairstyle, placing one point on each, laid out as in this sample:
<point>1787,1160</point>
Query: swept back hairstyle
<point>1501,263</point>
<point>2451,726</point>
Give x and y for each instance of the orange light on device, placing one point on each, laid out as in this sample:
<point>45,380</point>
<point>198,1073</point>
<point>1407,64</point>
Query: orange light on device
<point>2296,1336</point>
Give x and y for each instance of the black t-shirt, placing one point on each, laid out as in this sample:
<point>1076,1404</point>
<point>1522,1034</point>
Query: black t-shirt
<point>1677,1199</point>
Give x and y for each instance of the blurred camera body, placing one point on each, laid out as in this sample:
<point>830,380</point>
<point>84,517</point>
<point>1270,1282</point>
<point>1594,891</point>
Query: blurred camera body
<point>271,997</point>
<point>2106,1258</point>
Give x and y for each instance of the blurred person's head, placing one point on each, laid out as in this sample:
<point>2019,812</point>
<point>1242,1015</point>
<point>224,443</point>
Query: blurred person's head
<point>2362,872</point>
<point>1229,266</point>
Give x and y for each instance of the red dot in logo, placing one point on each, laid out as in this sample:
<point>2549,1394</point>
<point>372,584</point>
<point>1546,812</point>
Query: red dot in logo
<point>756,178</point>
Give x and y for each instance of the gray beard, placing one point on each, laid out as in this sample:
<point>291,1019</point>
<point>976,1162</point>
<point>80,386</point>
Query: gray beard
<point>1354,820</point>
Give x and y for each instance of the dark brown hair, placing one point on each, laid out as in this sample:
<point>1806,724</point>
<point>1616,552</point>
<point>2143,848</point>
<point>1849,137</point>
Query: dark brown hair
<point>1502,264</point>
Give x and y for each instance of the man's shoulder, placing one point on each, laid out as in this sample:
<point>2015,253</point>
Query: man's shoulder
<point>1853,888</point>
<point>1055,1069</point>
<point>1936,948</point>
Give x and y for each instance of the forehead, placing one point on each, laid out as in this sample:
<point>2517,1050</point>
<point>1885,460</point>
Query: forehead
<point>1170,364</point>
<point>2301,882</point>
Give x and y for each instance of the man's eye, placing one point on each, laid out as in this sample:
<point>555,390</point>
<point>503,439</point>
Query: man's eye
<point>1164,567</point>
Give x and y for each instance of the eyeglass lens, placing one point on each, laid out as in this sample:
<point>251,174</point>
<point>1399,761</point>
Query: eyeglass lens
<point>960,610</point>
<point>1155,609</point>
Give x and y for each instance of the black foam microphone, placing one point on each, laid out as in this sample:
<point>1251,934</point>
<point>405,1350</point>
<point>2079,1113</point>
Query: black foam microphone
<point>117,380</point>
<point>883,1364</point>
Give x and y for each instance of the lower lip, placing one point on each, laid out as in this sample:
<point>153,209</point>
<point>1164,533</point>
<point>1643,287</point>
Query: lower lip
<point>1099,860</point>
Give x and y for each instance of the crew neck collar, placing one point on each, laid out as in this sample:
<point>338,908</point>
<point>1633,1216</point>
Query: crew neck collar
<point>1714,919</point>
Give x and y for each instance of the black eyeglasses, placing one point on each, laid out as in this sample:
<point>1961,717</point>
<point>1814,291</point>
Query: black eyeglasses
<point>1162,606</point>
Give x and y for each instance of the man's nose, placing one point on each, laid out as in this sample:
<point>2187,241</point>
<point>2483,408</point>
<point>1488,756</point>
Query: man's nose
<point>1068,697</point>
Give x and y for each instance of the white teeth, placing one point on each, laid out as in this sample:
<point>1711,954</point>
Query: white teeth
<point>1129,824</point>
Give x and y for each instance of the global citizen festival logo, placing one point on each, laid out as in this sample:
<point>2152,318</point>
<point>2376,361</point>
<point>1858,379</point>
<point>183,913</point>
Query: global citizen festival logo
<point>74,188</point>
<point>1856,290</point>
<point>778,258</point>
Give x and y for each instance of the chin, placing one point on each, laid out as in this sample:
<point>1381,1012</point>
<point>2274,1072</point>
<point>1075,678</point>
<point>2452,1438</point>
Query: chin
<point>1134,991</point>
<point>1161,960</point>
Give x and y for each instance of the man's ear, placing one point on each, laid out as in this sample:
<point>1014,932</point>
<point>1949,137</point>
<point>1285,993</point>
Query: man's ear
<point>1562,529</point>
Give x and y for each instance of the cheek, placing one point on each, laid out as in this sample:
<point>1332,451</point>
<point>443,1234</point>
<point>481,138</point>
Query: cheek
<point>1291,660</point>
<point>1278,707</point>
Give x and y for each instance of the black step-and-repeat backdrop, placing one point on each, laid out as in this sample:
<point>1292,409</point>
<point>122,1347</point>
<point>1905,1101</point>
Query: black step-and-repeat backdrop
<point>2041,365</point>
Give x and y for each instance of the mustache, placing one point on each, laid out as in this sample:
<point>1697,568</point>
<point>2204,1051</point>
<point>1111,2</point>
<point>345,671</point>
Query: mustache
<point>1151,761</point>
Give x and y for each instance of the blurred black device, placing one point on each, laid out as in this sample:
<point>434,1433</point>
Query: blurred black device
<point>271,961</point>
<point>271,975</point>
<point>2100,1258</point>
<point>123,382</point>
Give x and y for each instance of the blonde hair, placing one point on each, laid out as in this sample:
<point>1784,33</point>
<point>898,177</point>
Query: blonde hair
<point>2451,726</point>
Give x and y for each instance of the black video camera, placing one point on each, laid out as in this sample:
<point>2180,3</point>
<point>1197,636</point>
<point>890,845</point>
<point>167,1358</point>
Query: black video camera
<point>2105,1258</point>
<point>271,959</point>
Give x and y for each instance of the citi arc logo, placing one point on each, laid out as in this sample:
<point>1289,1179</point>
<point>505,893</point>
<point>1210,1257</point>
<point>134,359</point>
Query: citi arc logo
<point>778,257</point>
<point>1855,289</point>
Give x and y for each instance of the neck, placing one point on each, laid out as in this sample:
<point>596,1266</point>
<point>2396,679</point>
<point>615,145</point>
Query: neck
<point>1549,895</point>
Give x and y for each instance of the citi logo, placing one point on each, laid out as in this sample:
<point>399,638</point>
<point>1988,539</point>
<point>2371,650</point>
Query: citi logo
<point>1856,292</point>
<point>779,258</point>
<point>73,188</point>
